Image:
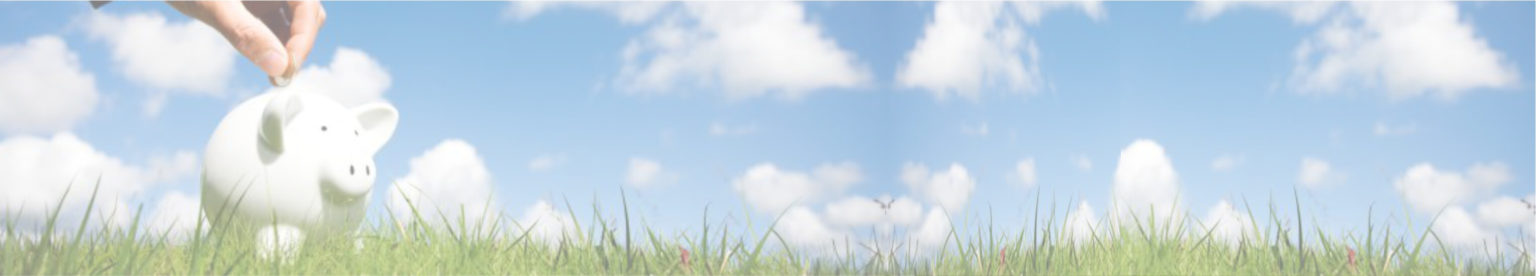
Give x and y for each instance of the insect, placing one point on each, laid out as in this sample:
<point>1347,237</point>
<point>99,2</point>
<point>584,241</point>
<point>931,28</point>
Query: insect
<point>885,205</point>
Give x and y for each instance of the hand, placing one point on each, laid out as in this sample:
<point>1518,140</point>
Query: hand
<point>276,36</point>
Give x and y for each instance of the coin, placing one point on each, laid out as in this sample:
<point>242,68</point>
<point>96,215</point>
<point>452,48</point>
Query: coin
<point>280,81</point>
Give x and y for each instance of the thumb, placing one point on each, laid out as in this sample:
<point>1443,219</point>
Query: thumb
<point>252,38</point>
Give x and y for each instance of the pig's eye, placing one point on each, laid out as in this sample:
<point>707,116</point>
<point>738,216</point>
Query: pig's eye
<point>354,133</point>
<point>368,169</point>
<point>322,128</point>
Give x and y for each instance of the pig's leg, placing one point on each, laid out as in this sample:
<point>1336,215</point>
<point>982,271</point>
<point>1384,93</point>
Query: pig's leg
<point>279,240</point>
<point>357,241</point>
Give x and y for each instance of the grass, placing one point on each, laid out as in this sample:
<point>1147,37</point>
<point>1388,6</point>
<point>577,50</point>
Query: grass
<point>614,245</point>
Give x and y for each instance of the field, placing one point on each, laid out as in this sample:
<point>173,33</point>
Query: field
<point>612,244</point>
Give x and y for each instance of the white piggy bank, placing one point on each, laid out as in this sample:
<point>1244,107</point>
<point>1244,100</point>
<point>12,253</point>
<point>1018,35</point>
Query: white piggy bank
<point>293,162</point>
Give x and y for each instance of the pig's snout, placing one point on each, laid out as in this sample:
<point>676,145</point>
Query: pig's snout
<point>345,180</point>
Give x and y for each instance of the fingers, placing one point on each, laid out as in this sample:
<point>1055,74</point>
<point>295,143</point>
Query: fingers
<point>249,36</point>
<point>308,16</point>
<point>195,9</point>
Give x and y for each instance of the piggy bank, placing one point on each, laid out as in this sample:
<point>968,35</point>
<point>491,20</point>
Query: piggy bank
<point>292,163</point>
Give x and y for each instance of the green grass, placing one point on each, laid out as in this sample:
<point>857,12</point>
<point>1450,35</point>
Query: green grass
<point>617,245</point>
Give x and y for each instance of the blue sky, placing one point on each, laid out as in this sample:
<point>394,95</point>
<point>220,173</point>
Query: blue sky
<point>518,83</point>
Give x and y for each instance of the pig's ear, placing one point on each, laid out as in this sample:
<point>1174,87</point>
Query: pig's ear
<point>278,113</point>
<point>378,121</point>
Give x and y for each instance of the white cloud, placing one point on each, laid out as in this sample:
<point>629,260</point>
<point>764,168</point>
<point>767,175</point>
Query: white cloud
<point>448,181</point>
<point>855,211</point>
<point>1428,189</point>
<point>1031,12</point>
<point>1300,12</point>
<point>950,189</point>
<point>630,12</point>
<point>1227,224</point>
<point>1024,171</point>
<point>37,172</point>
<point>1383,129</point>
<point>719,129</point>
<point>804,229</point>
<point>933,234</point>
<point>1457,229</point>
<point>1505,211</point>
<point>547,162</point>
<point>646,173</point>
<point>1406,49</point>
<point>1081,162</point>
<point>745,49</point>
<point>1314,173</point>
<point>980,129</point>
<point>176,216</point>
<point>186,56</point>
<point>545,224</point>
<point>352,78</point>
<point>1145,184</point>
<point>968,47</point>
<point>1226,162</point>
<point>1081,224</point>
<point>770,190</point>
<point>43,87</point>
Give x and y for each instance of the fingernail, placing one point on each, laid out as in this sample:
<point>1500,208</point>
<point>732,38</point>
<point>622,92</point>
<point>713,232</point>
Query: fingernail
<point>273,62</point>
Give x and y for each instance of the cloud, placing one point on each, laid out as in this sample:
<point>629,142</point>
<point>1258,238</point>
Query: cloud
<point>352,78</point>
<point>968,47</point>
<point>543,223</point>
<point>1300,12</point>
<point>632,12</point>
<point>1032,12</point>
<point>771,190</point>
<point>802,228</point>
<point>1405,49</point>
<point>1457,229</point>
<point>1081,162</point>
<point>933,234</point>
<point>645,173</point>
<point>856,211</point>
<point>546,162</point>
<point>1428,189</point>
<point>1315,173</point>
<point>1024,171</point>
<point>1505,211</point>
<point>978,130</point>
<point>1226,162</point>
<point>38,171</point>
<point>1081,224</point>
<point>768,189</point>
<point>950,189</point>
<point>176,216</point>
<point>1145,184</point>
<point>185,56</point>
<point>43,87</point>
<point>448,181</point>
<point>1227,224</point>
<point>745,49</point>
<point>719,129</point>
<point>1382,129</point>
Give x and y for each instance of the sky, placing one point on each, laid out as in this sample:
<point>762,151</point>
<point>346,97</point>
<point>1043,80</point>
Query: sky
<point>824,111</point>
